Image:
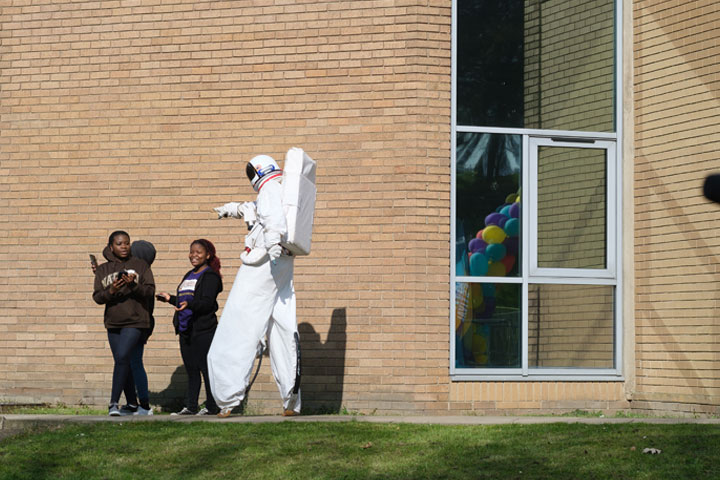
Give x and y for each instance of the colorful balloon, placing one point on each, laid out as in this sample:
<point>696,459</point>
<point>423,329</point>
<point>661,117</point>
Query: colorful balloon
<point>515,210</point>
<point>494,218</point>
<point>512,227</point>
<point>509,262</point>
<point>477,296</point>
<point>496,251</point>
<point>478,264</point>
<point>477,245</point>
<point>512,243</point>
<point>493,234</point>
<point>495,269</point>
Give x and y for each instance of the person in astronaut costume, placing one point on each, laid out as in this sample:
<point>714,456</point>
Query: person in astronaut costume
<point>261,303</point>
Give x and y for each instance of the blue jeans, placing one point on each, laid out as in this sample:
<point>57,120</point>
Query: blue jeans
<point>123,342</point>
<point>139,374</point>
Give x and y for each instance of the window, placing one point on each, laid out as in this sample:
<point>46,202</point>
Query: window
<point>535,204</point>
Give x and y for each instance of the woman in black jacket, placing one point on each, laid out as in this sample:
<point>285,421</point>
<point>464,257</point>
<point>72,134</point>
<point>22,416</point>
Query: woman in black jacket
<point>195,321</point>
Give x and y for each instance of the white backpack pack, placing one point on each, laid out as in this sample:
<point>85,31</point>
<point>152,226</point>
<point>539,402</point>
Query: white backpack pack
<point>298,200</point>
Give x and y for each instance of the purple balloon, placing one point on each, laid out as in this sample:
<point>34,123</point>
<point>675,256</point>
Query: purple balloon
<point>477,245</point>
<point>515,210</point>
<point>511,244</point>
<point>494,218</point>
<point>503,221</point>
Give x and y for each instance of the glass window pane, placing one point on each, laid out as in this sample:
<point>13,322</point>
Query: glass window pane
<point>569,65</point>
<point>488,204</point>
<point>571,326</point>
<point>572,199</point>
<point>490,63</point>
<point>536,64</point>
<point>487,325</point>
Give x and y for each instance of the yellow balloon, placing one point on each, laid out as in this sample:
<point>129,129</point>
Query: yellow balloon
<point>493,234</point>
<point>477,296</point>
<point>496,269</point>
<point>511,198</point>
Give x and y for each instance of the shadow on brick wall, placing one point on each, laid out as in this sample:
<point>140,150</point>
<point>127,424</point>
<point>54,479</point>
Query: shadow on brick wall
<point>323,365</point>
<point>172,397</point>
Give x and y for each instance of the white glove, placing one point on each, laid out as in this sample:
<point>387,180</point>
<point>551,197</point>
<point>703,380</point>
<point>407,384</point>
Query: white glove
<point>228,210</point>
<point>248,213</point>
<point>274,252</point>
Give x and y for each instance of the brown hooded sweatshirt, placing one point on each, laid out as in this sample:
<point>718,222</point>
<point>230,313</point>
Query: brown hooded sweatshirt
<point>128,306</point>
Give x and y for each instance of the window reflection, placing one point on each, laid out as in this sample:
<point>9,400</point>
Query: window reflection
<point>571,326</point>
<point>546,64</point>
<point>572,206</point>
<point>488,205</point>
<point>490,63</point>
<point>487,326</point>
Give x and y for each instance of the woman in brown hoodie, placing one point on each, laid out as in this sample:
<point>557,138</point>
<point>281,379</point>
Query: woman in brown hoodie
<point>125,285</point>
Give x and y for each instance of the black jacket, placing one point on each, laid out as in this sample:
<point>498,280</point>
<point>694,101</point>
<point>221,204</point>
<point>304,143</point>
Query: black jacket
<point>203,305</point>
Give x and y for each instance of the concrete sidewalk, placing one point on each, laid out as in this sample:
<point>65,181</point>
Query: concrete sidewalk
<point>11,424</point>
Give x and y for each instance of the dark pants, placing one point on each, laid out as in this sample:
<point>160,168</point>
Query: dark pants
<point>194,350</point>
<point>122,343</point>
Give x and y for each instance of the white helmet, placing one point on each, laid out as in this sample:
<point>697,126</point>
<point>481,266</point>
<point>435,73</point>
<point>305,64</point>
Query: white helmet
<point>261,169</point>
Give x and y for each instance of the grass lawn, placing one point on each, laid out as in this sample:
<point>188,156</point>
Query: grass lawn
<point>359,450</point>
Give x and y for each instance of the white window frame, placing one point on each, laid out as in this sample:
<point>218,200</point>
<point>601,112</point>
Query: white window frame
<point>610,276</point>
<point>608,272</point>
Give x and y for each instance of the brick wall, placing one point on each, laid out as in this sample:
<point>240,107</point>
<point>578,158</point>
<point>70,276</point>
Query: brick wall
<point>677,248</point>
<point>141,116</point>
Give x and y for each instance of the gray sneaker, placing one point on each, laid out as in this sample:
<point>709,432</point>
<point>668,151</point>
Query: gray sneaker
<point>143,411</point>
<point>128,410</point>
<point>113,410</point>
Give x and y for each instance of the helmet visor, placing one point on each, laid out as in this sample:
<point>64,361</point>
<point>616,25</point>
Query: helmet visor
<point>250,171</point>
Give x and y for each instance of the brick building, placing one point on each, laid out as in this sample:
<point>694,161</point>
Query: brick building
<point>598,119</point>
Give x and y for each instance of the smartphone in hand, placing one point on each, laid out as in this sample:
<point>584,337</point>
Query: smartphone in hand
<point>93,260</point>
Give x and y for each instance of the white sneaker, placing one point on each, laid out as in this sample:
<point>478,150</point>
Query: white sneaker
<point>143,411</point>
<point>225,412</point>
<point>184,411</point>
<point>203,411</point>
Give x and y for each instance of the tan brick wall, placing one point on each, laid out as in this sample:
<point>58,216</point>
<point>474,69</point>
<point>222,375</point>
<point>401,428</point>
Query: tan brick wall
<point>141,115</point>
<point>492,398</point>
<point>676,67</point>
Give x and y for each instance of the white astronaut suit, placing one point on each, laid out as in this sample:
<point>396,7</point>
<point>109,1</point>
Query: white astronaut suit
<point>261,303</point>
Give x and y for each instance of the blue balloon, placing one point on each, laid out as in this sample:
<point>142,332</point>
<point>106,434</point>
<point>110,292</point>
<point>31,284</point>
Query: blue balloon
<point>488,290</point>
<point>478,264</point>
<point>496,251</point>
<point>512,227</point>
<point>506,210</point>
